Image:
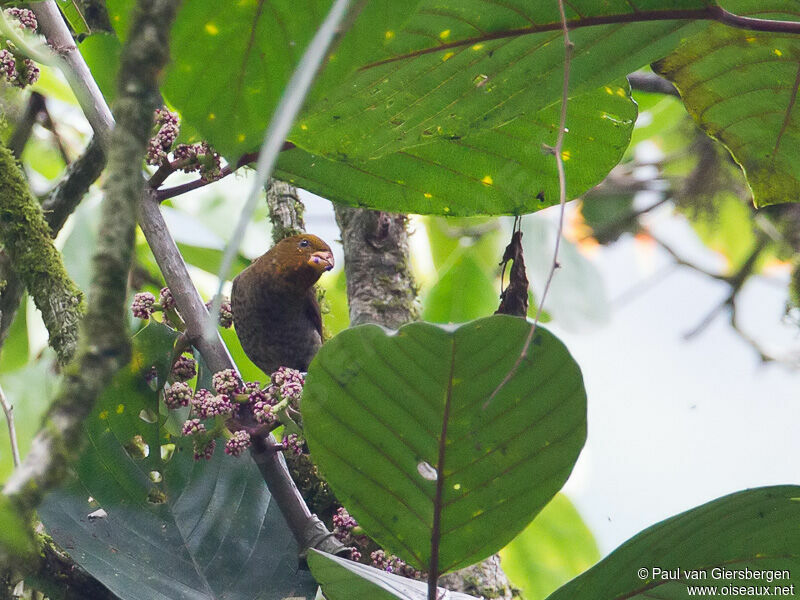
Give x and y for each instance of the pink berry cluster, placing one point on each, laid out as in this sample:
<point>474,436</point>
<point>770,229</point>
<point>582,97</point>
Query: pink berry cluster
<point>199,157</point>
<point>393,564</point>
<point>188,158</point>
<point>168,128</point>
<point>145,304</point>
<point>17,70</point>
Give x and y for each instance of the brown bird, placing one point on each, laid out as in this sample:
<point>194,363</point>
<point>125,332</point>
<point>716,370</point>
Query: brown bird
<point>275,308</point>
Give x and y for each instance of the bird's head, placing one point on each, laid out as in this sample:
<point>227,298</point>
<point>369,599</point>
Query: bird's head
<point>303,258</point>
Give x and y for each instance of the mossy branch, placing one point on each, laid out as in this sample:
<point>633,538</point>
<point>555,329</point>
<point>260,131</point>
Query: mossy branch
<point>104,344</point>
<point>27,241</point>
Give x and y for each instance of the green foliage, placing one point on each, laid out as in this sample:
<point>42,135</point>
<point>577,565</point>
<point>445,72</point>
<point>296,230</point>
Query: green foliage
<point>173,527</point>
<point>343,579</point>
<point>229,67</point>
<point>740,86</point>
<point>553,549</point>
<point>463,291</point>
<point>752,529</point>
<point>398,422</point>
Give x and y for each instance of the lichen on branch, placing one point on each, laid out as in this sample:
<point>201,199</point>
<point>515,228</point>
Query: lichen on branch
<point>27,241</point>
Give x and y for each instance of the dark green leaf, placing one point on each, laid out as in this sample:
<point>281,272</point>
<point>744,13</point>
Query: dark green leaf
<point>397,423</point>
<point>754,529</point>
<point>741,87</point>
<point>449,78</point>
<point>174,528</point>
<point>74,16</point>
<point>231,62</point>
<point>501,171</point>
<point>343,579</point>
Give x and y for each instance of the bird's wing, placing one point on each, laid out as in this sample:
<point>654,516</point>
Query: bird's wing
<point>312,310</point>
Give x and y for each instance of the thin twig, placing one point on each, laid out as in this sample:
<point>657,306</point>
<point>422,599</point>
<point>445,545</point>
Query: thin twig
<point>8,409</point>
<point>282,119</point>
<point>562,201</point>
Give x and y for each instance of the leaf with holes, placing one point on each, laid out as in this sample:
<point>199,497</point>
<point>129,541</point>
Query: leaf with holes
<point>502,171</point>
<point>741,88</point>
<point>400,426</point>
<point>343,579</point>
<point>753,530</point>
<point>161,525</point>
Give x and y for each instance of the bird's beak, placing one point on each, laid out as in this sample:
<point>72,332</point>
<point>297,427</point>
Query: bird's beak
<point>322,260</point>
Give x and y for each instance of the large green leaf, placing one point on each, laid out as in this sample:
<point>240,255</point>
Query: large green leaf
<point>173,528</point>
<point>754,529</point>
<point>343,579</point>
<point>741,87</point>
<point>449,76</point>
<point>553,549</point>
<point>231,62</point>
<point>400,426</point>
<point>500,171</point>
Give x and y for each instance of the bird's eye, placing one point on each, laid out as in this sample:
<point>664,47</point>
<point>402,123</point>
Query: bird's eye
<point>303,243</point>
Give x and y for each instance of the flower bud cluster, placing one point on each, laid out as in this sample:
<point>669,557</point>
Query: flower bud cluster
<point>227,382</point>
<point>15,69</point>
<point>199,157</point>
<point>287,384</point>
<point>238,443</point>
<point>144,302</point>
<point>184,368</point>
<point>206,405</point>
<point>192,426</point>
<point>343,525</point>
<point>25,17</point>
<point>177,395</point>
<point>393,564</point>
<point>160,144</point>
<point>293,443</point>
<point>165,299</point>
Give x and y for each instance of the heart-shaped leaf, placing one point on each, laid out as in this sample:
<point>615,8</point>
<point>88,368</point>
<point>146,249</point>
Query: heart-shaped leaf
<point>754,530</point>
<point>343,579</point>
<point>400,425</point>
<point>169,527</point>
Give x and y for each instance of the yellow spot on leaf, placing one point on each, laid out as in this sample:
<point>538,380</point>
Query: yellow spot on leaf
<point>457,486</point>
<point>427,195</point>
<point>446,209</point>
<point>608,90</point>
<point>621,92</point>
<point>778,52</point>
<point>565,155</point>
<point>211,29</point>
<point>241,137</point>
<point>211,116</point>
<point>488,180</point>
<point>750,39</point>
<point>103,415</point>
<point>477,47</point>
<point>448,56</point>
<point>116,18</point>
<point>444,34</point>
<point>389,35</point>
<point>120,409</point>
<point>304,127</point>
